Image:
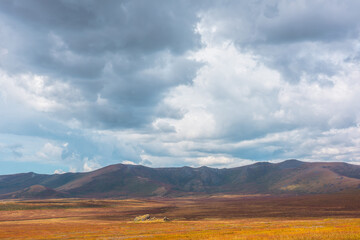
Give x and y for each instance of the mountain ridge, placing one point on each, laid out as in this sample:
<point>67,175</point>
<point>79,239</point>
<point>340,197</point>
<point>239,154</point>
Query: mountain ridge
<point>121,180</point>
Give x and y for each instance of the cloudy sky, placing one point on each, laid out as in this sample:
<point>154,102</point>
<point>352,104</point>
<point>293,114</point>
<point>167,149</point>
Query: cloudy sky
<point>85,84</point>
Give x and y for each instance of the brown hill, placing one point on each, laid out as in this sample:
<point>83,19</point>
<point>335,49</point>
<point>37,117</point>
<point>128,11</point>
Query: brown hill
<point>291,176</point>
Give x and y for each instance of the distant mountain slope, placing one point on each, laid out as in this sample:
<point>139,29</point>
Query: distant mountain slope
<point>16,182</point>
<point>291,176</point>
<point>35,192</point>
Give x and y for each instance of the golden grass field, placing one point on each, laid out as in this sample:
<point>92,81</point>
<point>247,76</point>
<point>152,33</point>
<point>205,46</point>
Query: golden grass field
<point>335,216</point>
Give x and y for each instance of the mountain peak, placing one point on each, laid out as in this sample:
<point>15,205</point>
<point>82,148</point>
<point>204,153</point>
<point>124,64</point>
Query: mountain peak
<point>291,163</point>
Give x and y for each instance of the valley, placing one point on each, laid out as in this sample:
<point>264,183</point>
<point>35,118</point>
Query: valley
<point>193,217</point>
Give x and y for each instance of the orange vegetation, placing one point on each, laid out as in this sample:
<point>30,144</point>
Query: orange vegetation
<point>335,216</point>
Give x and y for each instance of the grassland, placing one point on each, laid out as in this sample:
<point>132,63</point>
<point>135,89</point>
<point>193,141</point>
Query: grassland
<point>335,216</point>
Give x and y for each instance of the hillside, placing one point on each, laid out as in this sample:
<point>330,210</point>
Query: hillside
<point>289,177</point>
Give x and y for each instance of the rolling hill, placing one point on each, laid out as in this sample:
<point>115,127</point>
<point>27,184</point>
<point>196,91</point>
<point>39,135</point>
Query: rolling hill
<point>114,181</point>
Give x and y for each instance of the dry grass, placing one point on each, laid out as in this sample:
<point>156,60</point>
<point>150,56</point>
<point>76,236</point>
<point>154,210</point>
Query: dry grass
<point>218,217</point>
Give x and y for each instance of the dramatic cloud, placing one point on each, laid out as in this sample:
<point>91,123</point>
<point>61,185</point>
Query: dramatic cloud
<point>169,83</point>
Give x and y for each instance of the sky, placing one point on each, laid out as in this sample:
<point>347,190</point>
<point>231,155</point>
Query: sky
<point>167,83</point>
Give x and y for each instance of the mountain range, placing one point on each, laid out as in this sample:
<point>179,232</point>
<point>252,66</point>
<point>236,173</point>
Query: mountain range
<point>121,181</point>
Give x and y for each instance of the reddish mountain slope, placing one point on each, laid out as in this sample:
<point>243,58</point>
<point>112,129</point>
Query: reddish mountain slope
<point>120,180</point>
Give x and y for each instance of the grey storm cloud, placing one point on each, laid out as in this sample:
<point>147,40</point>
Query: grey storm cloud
<point>278,22</point>
<point>282,31</point>
<point>88,83</point>
<point>126,52</point>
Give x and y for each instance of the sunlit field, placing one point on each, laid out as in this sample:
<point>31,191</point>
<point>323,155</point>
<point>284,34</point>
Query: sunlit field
<point>218,217</point>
